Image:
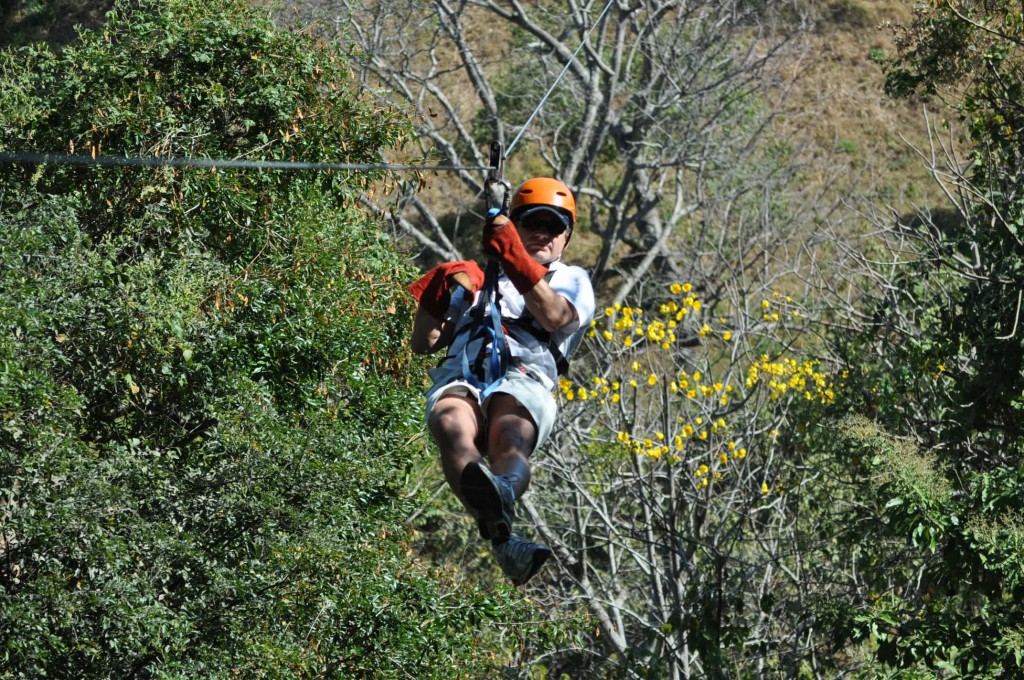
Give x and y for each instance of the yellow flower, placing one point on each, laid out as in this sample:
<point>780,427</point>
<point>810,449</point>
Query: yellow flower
<point>675,288</point>
<point>764,487</point>
<point>628,342</point>
<point>632,383</point>
<point>615,398</point>
<point>635,366</point>
<point>652,379</point>
<point>687,288</point>
<point>765,304</point>
<point>607,335</point>
<point>723,459</point>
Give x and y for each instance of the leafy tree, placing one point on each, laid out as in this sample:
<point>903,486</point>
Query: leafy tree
<point>205,390</point>
<point>937,372</point>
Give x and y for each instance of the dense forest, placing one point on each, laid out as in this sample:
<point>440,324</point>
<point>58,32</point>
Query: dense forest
<point>789,446</point>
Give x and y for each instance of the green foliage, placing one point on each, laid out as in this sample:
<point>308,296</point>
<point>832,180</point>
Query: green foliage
<point>939,374</point>
<point>203,379</point>
<point>928,469</point>
<point>961,552</point>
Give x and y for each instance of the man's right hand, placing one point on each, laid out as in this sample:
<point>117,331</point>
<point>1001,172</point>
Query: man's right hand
<point>462,279</point>
<point>433,289</point>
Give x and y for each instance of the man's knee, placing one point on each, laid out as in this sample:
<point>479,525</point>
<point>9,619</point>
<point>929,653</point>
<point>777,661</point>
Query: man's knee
<point>453,417</point>
<point>513,435</point>
<point>511,426</point>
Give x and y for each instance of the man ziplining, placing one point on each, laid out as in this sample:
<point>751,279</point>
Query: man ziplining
<point>492,394</point>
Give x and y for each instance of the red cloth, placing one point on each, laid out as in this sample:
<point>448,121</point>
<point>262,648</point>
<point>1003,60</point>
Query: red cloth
<point>432,289</point>
<point>501,240</point>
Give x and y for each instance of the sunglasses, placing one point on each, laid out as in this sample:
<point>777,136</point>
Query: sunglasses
<point>545,222</point>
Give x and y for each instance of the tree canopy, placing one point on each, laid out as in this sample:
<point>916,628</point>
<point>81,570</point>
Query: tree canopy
<point>207,397</point>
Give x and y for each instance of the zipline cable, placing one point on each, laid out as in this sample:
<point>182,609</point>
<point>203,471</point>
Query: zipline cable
<point>153,161</point>
<point>551,89</point>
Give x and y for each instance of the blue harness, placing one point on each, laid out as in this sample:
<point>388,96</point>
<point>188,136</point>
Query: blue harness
<point>486,326</point>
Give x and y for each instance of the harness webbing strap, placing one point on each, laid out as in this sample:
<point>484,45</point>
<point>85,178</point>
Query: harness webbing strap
<point>525,323</point>
<point>491,333</point>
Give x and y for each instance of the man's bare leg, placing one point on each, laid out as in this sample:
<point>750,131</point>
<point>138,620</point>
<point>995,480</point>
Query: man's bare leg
<point>511,437</point>
<point>455,423</point>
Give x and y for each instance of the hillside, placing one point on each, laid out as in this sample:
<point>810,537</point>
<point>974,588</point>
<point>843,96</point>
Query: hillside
<point>843,85</point>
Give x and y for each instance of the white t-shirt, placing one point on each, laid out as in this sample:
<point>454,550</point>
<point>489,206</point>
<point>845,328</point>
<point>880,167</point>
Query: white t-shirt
<point>570,282</point>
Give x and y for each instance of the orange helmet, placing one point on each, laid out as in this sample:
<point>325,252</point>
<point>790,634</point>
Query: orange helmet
<point>546,193</point>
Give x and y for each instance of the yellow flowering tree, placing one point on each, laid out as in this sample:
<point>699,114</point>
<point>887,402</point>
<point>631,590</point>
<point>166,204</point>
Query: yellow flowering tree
<point>667,492</point>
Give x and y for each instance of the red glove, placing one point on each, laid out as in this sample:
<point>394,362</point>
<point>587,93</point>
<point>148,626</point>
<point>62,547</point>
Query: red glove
<point>502,241</point>
<point>432,289</point>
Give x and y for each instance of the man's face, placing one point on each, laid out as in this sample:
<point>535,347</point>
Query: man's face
<point>544,236</point>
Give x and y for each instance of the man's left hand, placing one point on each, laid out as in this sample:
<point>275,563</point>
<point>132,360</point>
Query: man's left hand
<point>501,240</point>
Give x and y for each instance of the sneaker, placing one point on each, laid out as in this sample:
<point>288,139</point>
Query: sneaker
<point>520,559</point>
<point>492,498</point>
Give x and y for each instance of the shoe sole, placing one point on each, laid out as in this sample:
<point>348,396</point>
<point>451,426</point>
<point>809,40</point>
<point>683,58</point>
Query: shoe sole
<point>540,556</point>
<point>483,496</point>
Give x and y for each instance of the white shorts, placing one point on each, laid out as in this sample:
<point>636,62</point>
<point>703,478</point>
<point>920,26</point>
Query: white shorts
<point>532,395</point>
